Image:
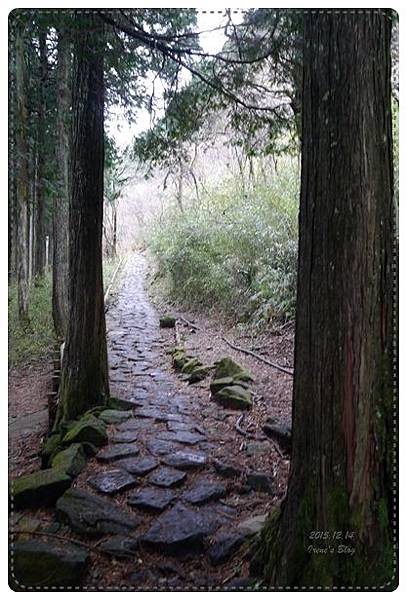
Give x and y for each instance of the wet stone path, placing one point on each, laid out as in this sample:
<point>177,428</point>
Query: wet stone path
<point>169,513</point>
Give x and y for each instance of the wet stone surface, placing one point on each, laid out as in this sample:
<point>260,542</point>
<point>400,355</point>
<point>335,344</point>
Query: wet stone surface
<point>173,492</point>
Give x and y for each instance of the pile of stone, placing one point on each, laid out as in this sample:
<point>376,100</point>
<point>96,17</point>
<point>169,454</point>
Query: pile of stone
<point>189,366</point>
<point>230,385</point>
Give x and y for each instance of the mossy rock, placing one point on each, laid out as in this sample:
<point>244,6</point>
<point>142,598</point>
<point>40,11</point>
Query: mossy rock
<point>199,373</point>
<point>217,384</point>
<point>52,445</point>
<point>179,358</point>
<point>191,364</point>
<point>42,488</point>
<point>72,460</point>
<point>235,397</point>
<point>113,416</point>
<point>167,322</point>
<point>90,430</point>
<point>226,367</point>
<point>93,412</point>
<point>47,563</point>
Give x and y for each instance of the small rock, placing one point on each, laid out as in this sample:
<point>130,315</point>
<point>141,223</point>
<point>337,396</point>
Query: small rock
<point>138,466</point>
<point>252,525</point>
<point>48,563</point>
<point>159,447</point>
<point>152,499</point>
<point>167,477</point>
<point>235,397</point>
<point>117,451</point>
<point>186,460</point>
<point>111,482</point>
<point>225,545</point>
<point>226,470</point>
<point>124,437</point>
<point>42,488</point>
<point>112,416</point>
<point>89,430</point>
<point>120,546</point>
<point>226,367</point>
<point>167,322</point>
<point>260,482</point>
<point>72,460</point>
<point>204,491</point>
<point>91,515</point>
<point>180,531</point>
<point>281,432</point>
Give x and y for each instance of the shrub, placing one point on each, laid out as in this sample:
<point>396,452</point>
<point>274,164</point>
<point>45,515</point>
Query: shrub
<point>236,251</point>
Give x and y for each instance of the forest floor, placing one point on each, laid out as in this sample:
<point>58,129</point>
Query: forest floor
<point>183,443</point>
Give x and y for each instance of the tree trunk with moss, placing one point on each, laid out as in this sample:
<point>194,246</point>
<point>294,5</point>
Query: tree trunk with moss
<point>84,381</point>
<point>341,479</point>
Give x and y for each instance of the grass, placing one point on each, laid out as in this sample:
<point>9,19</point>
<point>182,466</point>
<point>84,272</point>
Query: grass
<point>33,341</point>
<point>236,252</point>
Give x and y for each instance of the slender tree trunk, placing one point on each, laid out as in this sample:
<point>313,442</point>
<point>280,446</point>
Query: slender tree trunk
<point>39,257</point>
<point>84,374</point>
<point>342,468</point>
<point>60,212</point>
<point>22,189</point>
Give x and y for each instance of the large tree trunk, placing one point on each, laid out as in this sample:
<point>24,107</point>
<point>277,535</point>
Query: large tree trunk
<point>22,190</point>
<point>84,374</point>
<point>60,212</point>
<point>341,478</point>
<point>39,237</point>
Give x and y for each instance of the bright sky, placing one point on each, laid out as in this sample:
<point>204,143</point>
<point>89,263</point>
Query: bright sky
<point>118,127</point>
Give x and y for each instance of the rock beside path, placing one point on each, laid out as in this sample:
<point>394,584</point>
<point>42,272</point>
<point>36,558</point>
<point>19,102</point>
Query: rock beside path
<point>42,488</point>
<point>224,546</point>
<point>47,563</point>
<point>94,516</point>
<point>112,482</point>
<point>204,491</point>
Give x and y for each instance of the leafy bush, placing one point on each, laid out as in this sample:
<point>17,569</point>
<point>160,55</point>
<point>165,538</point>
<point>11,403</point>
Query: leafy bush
<point>236,251</point>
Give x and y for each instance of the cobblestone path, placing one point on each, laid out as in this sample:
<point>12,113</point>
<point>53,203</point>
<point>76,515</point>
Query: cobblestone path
<point>170,514</point>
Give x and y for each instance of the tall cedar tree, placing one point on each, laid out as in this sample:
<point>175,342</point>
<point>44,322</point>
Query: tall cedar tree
<point>341,477</point>
<point>60,209</point>
<point>21,168</point>
<point>84,381</point>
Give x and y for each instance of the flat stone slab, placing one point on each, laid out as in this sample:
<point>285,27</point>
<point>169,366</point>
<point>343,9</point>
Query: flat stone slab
<point>124,437</point>
<point>180,530</point>
<point>204,491</point>
<point>138,466</point>
<point>48,563</point>
<point>111,482</point>
<point>186,460</point>
<point>255,447</point>
<point>183,437</point>
<point>91,515</point>
<point>152,499</point>
<point>167,477</point>
<point>179,426</point>
<point>116,451</point>
<point>160,447</point>
<point>224,546</point>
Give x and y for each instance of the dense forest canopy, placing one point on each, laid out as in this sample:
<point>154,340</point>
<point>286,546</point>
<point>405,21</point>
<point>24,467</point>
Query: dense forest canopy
<point>260,186</point>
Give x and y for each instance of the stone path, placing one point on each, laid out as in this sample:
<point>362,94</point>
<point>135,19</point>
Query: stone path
<point>157,495</point>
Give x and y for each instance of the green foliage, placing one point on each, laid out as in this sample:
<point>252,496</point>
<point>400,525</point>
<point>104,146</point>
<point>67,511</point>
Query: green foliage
<point>237,251</point>
<point>33,340</point>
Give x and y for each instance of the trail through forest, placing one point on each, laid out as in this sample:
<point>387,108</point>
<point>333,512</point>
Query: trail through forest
<point>178,488</point>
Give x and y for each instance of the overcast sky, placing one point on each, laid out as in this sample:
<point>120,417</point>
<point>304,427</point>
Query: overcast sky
<point>119,128</point>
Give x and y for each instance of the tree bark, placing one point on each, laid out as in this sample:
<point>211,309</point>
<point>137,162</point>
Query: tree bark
<point>341,476</point>
<point>84,373</point>
<point>60,210</point>
<point>39,258</point>
<point>22,190</point>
